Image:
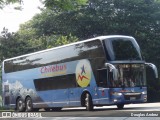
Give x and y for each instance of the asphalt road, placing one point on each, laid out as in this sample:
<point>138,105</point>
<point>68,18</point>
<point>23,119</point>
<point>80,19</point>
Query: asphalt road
<point>145,110</point>
<point>131,110</point>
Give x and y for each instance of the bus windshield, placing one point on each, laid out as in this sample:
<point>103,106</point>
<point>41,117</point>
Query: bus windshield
<point>130,75</point>
<point>122,49</point>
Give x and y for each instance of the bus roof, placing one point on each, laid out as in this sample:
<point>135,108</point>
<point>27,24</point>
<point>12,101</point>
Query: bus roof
<point>87,40</point>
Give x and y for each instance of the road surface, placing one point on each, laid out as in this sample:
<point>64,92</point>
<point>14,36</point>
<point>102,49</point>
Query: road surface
<point>146,110</point>
<point>131,110</point>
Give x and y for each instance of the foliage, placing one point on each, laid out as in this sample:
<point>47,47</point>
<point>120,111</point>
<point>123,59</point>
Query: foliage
<point>26,41</point>
<point>10,45</point>
<point>3,3</point>
<point>136,18</point>
<point>64,5</point>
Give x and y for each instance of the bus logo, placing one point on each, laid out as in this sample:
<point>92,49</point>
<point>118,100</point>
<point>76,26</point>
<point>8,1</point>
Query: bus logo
<point>83,73</point>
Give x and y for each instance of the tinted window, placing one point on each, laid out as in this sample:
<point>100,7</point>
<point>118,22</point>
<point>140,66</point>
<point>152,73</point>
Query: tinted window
<point>91,49</point>
<point>42,59</point>
<point>52,83</point>
<point>102,78</point>
<point>122,49</point>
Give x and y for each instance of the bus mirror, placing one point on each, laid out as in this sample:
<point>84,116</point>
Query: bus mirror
<point>113,69</point>
<point>154,68</point>
<point>115,74</point>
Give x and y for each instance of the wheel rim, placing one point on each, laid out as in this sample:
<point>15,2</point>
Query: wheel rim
<point>87,100</point>
<point>29,105</point>
<point>20,105</point>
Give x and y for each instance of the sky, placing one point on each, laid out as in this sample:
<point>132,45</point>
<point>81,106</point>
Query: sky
<point>11,18</point>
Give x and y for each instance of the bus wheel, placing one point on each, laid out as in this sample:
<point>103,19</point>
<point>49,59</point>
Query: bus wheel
<point>36,109</point>
<point>120,106</point>
<point>88,102</point>
<point>29,105</point>
<point>20,105</point>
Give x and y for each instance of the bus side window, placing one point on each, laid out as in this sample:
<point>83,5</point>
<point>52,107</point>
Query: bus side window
<point>102,77</point>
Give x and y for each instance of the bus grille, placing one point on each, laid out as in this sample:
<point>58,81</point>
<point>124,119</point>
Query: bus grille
<point>132,96</point>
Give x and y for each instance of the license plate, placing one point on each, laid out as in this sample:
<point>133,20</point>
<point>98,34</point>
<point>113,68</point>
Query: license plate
<point>132,98</point>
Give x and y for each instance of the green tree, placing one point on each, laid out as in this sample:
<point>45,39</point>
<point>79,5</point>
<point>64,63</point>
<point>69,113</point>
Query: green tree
<point>103,17</point>
<point>9,45</point>
<point>38,39</point>
<point>64,5</point>
<point>3,3</point>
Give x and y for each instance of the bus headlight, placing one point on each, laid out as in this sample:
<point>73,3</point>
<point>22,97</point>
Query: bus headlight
<point>115,100</point>
<point>144,92</point>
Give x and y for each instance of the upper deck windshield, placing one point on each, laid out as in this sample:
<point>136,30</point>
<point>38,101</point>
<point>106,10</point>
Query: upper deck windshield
<point>122,49</point>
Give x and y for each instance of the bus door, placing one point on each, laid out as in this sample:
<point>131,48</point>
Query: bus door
<point>60,94</point>
<point>74,97</point>
<point>103,91</point>
<point>68,94</point>
<point>73,91</point>
<point>60,98</point>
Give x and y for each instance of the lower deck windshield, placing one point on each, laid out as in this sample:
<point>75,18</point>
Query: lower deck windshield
<point>129,75</point>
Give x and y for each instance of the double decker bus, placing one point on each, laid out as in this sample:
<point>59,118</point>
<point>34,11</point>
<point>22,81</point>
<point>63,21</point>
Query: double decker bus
<point>106,70</point>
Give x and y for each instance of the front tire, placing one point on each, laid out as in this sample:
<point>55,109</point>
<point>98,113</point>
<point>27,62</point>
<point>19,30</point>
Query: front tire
<point>20,107</point>
<point>120,106</point>
<point>88,102</point>
<point>29,105</point>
